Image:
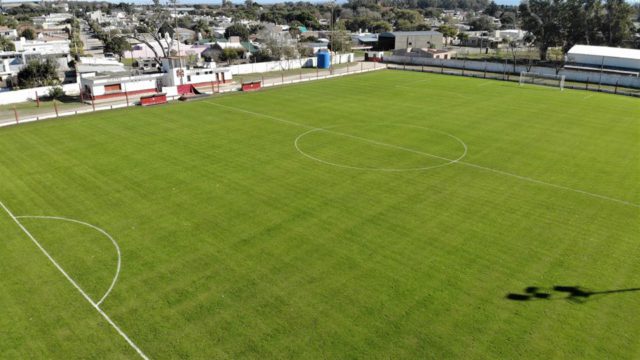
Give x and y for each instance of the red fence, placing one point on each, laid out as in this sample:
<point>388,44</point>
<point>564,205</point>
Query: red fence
<point>153,99</point>
<point>251,86</point>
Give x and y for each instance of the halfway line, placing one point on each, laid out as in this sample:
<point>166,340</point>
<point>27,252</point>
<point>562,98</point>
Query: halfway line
<point>520,177</point>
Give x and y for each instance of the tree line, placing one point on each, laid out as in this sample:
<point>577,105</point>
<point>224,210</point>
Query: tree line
<point>564,23</point>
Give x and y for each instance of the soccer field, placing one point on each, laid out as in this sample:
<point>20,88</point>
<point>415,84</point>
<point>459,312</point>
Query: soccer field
<point>384,215</point>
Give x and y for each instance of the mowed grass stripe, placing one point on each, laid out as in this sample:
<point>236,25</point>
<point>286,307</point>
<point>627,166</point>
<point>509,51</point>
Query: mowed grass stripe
<point>234,245</point>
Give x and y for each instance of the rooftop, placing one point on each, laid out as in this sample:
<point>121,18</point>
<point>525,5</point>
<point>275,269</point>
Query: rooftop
<point>605,51</point>
<point>409,33</point>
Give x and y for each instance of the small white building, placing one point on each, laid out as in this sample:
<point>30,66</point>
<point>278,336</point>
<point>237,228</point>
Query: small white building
<point>8,33</point>
<point>52,21</point>
<point>44,47</point>
<point>603,56</point>
<point>112,86</point>
<point>175,75</point>
<point>510,34</point>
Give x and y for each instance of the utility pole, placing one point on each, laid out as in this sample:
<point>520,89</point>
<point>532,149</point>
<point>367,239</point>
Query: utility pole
<point>333,5</point>
<point>175,32</point>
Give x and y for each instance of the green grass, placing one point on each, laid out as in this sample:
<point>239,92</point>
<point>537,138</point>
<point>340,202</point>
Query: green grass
<point>235,245</point>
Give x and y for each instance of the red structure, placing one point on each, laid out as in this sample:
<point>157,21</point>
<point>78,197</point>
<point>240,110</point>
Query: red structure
<point>185,89</point>
<point>154,99</point>
<point>251,86</point>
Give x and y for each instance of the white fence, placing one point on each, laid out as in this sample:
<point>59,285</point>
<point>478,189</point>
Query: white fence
<point>494,67</point>
<point>14,117</point>
<point>270,66</point>
<point>17,96</point>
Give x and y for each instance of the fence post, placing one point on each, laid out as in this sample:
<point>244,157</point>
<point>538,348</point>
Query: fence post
<point>127,97</point>
<point>361,66</point>
<point>93,103</point>
<point>587,83</point>
<point>485,69</point>
<point>300,74</point>
<point>616,89</point>
<point>504,70</point>
<point>55,107</point>
<point>213,87</point>
<point>15,112</point>
<point>282,78</point>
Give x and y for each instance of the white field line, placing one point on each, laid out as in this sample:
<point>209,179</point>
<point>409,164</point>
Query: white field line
<point>516,176</point>
<point>485,83</point>
<point>313,128</point>
<point>82,292</point>
<point>464,146</point>
<point>113,241</point>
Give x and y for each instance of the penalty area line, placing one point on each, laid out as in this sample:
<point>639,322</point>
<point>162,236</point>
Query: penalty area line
<point>82,292</point>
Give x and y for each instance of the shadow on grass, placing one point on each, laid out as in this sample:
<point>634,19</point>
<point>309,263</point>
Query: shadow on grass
<point>574,294</point>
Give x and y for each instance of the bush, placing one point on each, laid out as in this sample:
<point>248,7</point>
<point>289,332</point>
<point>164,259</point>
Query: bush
<point>56,92</point>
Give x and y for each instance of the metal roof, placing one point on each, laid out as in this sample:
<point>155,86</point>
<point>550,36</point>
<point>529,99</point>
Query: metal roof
<point>409,33</point>
<point>605,52</point>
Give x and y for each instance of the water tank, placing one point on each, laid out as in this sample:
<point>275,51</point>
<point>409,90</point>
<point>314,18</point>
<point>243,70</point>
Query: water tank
<point>324,60</point>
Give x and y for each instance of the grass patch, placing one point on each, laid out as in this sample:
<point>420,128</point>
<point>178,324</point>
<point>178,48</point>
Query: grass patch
<point>235,245</point>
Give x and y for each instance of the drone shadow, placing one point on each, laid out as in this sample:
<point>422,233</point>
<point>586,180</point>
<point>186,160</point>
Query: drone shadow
<point>574,294</point>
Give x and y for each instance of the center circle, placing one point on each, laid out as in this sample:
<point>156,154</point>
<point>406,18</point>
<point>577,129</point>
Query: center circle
<point>442,143</point>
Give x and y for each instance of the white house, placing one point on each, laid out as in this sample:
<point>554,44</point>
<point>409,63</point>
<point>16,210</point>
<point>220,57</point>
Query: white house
<point>8,33</point>
<point>175,75</point>
<point>603,56</point>
<point>52,21</point>
<point>44,47</point>
<point>111,86</point>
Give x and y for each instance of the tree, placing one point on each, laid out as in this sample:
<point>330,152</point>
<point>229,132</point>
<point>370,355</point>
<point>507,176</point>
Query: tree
<point>237,30</point>
<point>157,24</point>
<point>492,9</point>
<point>448,32</point>
<point>618,22</point>
<point>482,23</point>
<point>230,54</point>
<point>543,19</point>
<point>202,27</point>
<point>380,27</point>
<point>340,39</point>
<point>6,44</point>
<point>117,45</point>
<point>462,37</point>
<point>276,45</point>
<point>28,34</point>
<point>508,19</point>
<point>39,73</point>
